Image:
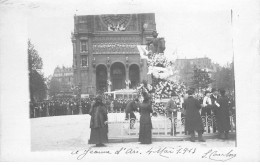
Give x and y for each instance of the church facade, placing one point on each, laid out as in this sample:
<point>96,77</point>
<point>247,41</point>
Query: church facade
<point>105,54</point>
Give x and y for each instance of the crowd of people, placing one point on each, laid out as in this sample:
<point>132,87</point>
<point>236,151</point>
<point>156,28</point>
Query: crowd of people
<point>59,106</point>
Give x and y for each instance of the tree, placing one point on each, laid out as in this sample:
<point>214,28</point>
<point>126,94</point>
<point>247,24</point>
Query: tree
<point>224,78</point>
<point>201,78</point>
<point>54,87</point>
<point>37,85</point>
<point>186,74</point>
<point>38,88</point>
<point>34,60</point>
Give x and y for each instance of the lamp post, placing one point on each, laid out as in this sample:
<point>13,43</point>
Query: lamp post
<point>79,97</point>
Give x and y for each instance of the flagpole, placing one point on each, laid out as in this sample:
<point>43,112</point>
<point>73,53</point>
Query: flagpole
<point>233,67</point>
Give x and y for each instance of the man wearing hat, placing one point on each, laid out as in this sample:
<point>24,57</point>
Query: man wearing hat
<point>193,120</point>
<point>222,115</point>
<point>171,109</point>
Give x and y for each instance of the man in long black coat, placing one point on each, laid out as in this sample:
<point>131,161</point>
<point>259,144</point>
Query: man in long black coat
<point>193,120</point>
<point>214,107</point>
<point>222,115</point>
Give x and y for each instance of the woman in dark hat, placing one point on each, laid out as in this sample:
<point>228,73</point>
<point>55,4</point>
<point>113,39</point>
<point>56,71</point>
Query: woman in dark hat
<point>145,132</point>
<point>193,120</point>
<point>98,123</point>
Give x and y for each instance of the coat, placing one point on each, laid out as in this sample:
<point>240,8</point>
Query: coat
<point>145,110</point>
<point>214,107</point>
<point>222,114</point>
<point>193,121</point>
<point>98,116</point>
<point>145,130</point>
<point>131,107</point>
<point>99,129</point>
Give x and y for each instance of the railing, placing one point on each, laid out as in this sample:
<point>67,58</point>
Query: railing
<point>162,126</point>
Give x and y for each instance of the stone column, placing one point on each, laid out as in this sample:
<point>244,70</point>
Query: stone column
<point>108,79</point>
<point>127,76</point>
<point>93,77</point>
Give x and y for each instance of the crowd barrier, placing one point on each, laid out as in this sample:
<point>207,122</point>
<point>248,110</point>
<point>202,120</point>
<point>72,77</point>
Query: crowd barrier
<point>162,126</point>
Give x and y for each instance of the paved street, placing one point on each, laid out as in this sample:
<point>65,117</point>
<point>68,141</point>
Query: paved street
<point>72,132</point>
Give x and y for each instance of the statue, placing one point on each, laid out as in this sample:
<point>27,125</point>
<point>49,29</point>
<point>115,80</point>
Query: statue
<point>109,83</point>
<point>127,82</point>
<point>157,44</point>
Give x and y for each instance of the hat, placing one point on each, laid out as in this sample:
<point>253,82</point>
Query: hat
<point>222,92</point>
<point>190,92</point>
<point>213,90</point>
<point>98,98</point>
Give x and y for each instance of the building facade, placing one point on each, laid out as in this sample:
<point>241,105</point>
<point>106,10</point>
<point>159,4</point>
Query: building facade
<point>185,68</point>
<point>201,63</point>
<point>105,54</point>
<point>65,77</point>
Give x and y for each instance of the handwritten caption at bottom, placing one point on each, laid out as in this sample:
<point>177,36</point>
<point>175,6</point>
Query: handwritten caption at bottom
<point>165,152</point>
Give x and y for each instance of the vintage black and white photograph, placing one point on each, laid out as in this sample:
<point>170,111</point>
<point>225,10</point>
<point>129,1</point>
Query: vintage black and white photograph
<point>132,80</point>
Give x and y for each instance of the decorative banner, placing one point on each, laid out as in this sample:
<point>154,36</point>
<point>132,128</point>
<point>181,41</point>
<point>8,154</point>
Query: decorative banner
<point>115,48</point>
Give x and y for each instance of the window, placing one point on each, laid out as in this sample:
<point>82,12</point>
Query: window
<point>84,61</point>
<point>83,45</point>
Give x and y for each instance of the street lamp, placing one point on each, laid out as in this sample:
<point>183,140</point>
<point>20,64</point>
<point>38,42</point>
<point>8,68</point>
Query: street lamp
<point>79,96</point>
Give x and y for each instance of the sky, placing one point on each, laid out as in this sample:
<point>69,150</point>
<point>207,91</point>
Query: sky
<point>191,28</point>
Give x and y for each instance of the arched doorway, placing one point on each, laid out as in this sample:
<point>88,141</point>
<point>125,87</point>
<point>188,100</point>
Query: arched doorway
<point>134,75</point>
<point>117,76</point>
<point>101,78</point>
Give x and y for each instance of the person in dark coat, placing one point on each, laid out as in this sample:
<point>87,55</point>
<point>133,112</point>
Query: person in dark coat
<point>193,120</point>
<point>214,107</point>
<point>129,111</point>
<point>145,132</point>
<point>222,115</point>
<point>98,123</point>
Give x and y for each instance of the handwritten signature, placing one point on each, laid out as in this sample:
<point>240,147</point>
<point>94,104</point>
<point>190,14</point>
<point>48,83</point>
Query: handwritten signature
<point>219,156</point>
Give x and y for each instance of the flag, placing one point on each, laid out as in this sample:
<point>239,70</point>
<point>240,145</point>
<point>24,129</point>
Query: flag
<point>143,52</point>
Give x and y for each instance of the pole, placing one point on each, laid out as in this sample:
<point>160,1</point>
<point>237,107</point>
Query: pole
<point>80,106</point>
<point>233,64</point>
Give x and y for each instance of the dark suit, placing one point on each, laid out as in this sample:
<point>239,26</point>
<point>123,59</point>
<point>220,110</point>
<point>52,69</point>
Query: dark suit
<point>193,120</point>
<point>222,115</point>
<point>130,108</point>
<point>214,109</point>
